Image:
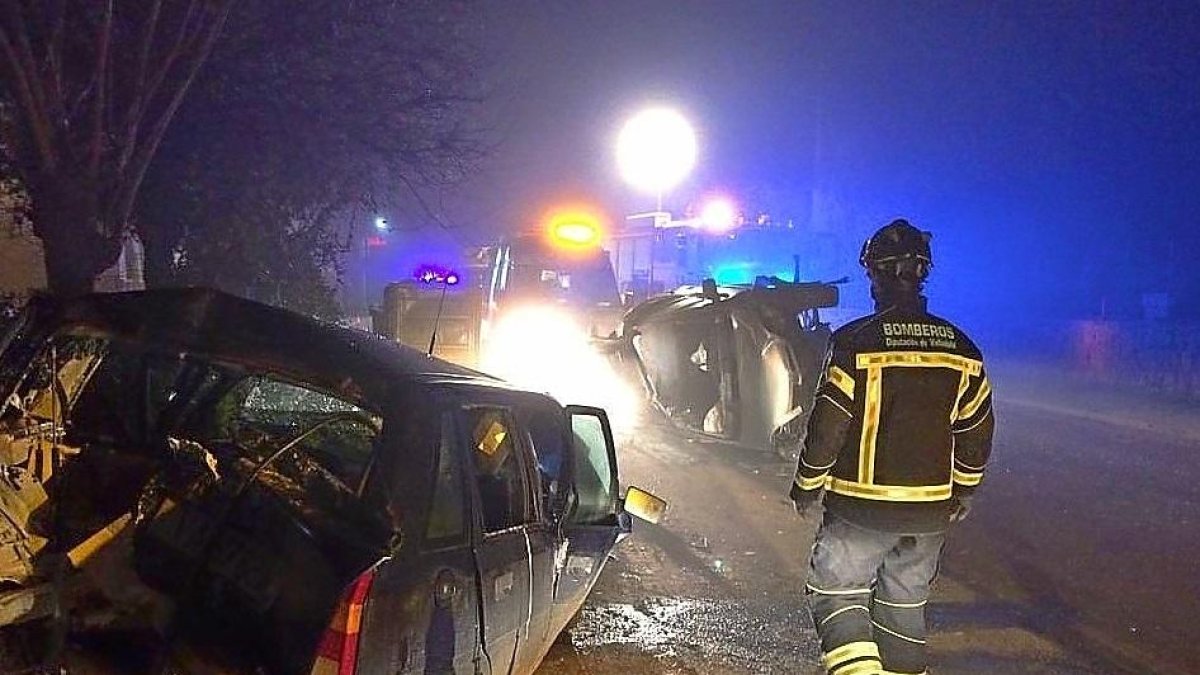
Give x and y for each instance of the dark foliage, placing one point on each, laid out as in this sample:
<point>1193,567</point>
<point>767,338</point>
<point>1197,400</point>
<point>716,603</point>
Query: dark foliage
<point>307,117</point>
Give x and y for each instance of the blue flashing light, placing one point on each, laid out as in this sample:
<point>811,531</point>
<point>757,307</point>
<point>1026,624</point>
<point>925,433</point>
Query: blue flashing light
<point>434,274</point>
<point>731,274</point>
<point>738,273</point>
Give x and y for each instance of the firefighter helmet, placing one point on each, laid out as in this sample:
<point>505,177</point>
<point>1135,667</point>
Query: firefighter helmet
<point>898,249</point>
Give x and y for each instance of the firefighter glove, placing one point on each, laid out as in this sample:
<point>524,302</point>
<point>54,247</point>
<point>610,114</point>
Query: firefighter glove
<point>804,500</point>
<point>960,507</point>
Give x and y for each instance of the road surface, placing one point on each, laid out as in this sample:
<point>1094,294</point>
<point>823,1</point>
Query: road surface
<point>1081,556</point>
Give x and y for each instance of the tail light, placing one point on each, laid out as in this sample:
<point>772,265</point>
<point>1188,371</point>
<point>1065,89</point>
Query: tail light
<point>338,653</point>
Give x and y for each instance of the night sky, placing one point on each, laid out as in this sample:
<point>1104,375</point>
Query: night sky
<point>1051,147</point>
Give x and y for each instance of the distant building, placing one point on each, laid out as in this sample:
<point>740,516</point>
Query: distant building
<point>21,268</point>
<point>22,260</point>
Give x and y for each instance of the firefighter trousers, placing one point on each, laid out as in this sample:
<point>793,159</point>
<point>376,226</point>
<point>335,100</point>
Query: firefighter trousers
<point>867,592</point>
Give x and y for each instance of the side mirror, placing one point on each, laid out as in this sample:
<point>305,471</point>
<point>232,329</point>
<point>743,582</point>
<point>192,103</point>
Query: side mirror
<point>644,505</point>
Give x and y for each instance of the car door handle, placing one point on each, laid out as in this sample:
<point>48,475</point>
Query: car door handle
<point>503,585</point>
<point>446,589</point>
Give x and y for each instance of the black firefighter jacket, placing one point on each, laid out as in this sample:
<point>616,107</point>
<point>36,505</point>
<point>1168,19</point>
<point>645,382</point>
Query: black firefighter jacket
<point>902,422</point>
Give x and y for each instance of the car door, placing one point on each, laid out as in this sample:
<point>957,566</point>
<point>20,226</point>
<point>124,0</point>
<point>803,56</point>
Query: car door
<point>424,614</point>
<point>590,525</point>
<point>504,499</point>
<point>541,424</point>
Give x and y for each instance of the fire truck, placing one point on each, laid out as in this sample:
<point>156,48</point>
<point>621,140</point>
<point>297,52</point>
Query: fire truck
<point>735,361</point>
<point>529,309</point>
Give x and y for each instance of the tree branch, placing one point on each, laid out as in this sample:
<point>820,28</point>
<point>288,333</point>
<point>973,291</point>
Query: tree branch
<point>54,53</point>
<point>142,157</point>
<point>137,108</point>
<point>181,39</point>
<point>26,54</point>
<point>103,41</point>
<point>34,116</point>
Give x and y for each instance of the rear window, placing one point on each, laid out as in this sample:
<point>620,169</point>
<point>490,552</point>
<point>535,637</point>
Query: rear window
<point>338,434</point>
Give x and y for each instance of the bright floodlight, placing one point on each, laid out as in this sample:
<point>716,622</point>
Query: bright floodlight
<point>656,150</point>
<point>381,223</point>
<point>719,215</point>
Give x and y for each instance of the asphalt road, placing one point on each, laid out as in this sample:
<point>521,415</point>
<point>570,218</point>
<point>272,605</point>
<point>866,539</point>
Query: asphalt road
<point>1081,556</point>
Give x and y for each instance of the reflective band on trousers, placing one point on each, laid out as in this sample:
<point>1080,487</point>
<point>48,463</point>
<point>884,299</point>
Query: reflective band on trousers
<point>852,591</point>
<point>843,611</point>
<point>864,667</point>
<point>900,605</point>
<point>850,652</point>
<point>893,633</point>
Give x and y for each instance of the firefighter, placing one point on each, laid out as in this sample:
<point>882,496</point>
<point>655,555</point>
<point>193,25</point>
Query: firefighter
<point>897,442</point>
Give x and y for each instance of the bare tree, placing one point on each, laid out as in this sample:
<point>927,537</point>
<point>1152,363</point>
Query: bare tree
<point>308,117</point>
<point>89,88</point>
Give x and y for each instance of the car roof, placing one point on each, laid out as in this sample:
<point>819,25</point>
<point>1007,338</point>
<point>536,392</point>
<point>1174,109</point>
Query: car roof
<point>236,330</point>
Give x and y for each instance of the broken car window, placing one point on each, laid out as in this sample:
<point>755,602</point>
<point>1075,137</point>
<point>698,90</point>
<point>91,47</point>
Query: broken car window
<point>503,491</point>
<point>281,411</point>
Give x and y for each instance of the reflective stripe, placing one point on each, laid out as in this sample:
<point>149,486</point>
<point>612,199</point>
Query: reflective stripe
<point>967,479</point>
<point>844,609</point>
<point>900,605</point>
<point>874,363</point>
<point>964,382</point>
<point>841,407</point>
<point>864,667</point>
<point>919,360</point>
<point>855,591</point>
<point>814,483</point>
<point>974,424</point>
<point>842,380</point>
<point>985,390</point>
<point>849,652</point>
<point>890,493</point>
<point>893,633</point>
<point>818,468</point>
<point>968,467</point>
<point>870,429</point>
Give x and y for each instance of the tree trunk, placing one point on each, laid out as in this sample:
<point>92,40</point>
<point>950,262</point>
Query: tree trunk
<point>65,219</point>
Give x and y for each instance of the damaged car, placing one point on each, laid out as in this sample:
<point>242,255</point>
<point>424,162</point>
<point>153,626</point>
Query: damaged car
<point>738,363</point>
<point>195,483</point>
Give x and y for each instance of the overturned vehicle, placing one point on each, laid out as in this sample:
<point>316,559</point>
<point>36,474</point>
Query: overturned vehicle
<point>739,363</point>
<point>195,483</point>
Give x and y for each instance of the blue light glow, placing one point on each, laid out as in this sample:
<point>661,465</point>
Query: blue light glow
<point>436,274</point>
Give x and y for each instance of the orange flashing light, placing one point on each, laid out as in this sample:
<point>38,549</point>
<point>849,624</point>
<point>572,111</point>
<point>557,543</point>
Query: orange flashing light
<point>575,229</point>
